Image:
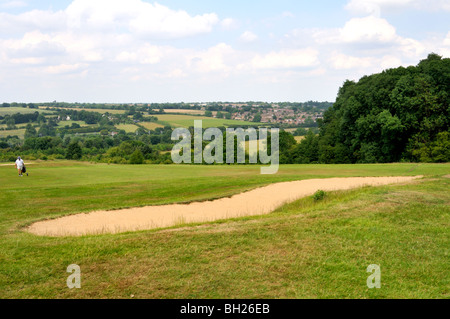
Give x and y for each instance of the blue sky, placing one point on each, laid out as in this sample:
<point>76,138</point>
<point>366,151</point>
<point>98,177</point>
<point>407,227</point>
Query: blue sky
<point>203,50</point>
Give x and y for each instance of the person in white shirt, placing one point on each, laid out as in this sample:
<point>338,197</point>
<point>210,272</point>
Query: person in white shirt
<point>19,165</point>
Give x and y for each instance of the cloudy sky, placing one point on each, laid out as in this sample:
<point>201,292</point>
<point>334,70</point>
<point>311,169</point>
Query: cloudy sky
<point>202,50</point>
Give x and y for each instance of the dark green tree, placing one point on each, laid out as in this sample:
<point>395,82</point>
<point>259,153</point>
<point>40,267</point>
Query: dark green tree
<point>137,157</point>
<point>74,151</point>
<point>30,131</point>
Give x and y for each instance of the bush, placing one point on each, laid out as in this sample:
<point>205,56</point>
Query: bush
<point>74,151</point>
<point>137,157</point>
<point>319,195</point>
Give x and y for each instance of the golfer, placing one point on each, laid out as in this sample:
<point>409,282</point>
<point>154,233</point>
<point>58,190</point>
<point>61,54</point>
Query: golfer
<point>19,165</point>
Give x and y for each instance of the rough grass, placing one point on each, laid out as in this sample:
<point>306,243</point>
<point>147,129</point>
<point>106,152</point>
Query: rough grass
<point>306,249</point>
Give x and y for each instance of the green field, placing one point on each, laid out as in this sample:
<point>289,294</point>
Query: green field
<point>150,125</point>
<point>128,128</point>
<point>101,111</point>
<point>69,123</point>
<point>184,111</point>
<point>306,249</point>
<point>19,132</point>
<point>18,126</point>
<point>14,110</point>
<point>188,120</point>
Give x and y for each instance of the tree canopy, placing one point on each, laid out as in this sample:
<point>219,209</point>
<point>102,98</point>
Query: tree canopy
<point>399,114</point>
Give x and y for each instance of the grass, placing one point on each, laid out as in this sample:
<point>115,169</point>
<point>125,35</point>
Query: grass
<point>305,249</point>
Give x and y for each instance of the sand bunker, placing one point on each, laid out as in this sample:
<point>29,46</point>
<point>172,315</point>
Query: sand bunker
<point>255,202</point>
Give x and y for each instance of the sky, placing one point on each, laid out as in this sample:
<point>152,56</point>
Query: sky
<point>141,51</point>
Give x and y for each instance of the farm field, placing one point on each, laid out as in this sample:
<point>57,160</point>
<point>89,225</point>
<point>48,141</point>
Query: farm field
<point>150,125</point>
<point>128,128</point>
<point>181,111</point>
<point>18,126</point>
<point>13,110</point>
<point>188,120</point>
<point>69,123</point>
<point>19,132</point>
<point>304,249</point>
<point>101,111</point>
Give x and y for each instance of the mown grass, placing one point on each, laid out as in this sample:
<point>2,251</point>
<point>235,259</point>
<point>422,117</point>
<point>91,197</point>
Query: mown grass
<point>306,249</point>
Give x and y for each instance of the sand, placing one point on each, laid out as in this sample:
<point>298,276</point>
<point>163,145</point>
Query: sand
<point>255,202</point>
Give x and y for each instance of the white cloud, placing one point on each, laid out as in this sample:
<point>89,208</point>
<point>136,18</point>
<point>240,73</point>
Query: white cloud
<point>248,37</point>
<point>42,20</point>
<point>368,64</point>
<point>13,4</point>
<point>376,7</point>
<point>112,16</point>
<point>212,60</point>
<point>137,16</point>
<point>447,39</point>
<point>229,24</point>
<point>97,31</point>
<point>369,29</point>
<point>33,48</point>
<point>287,59</point>
<point>390,61</point>
<point>411,48</point>
<point>368,36</point>
<point>341,61</point>
<point>64,68</point>
<point>148,54</point>
<point>27,61</point>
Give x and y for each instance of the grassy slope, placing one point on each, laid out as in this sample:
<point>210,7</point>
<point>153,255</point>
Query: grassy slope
<point>304,250</point>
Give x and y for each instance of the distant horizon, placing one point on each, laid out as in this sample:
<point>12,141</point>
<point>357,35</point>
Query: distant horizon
<point>181,102</point>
